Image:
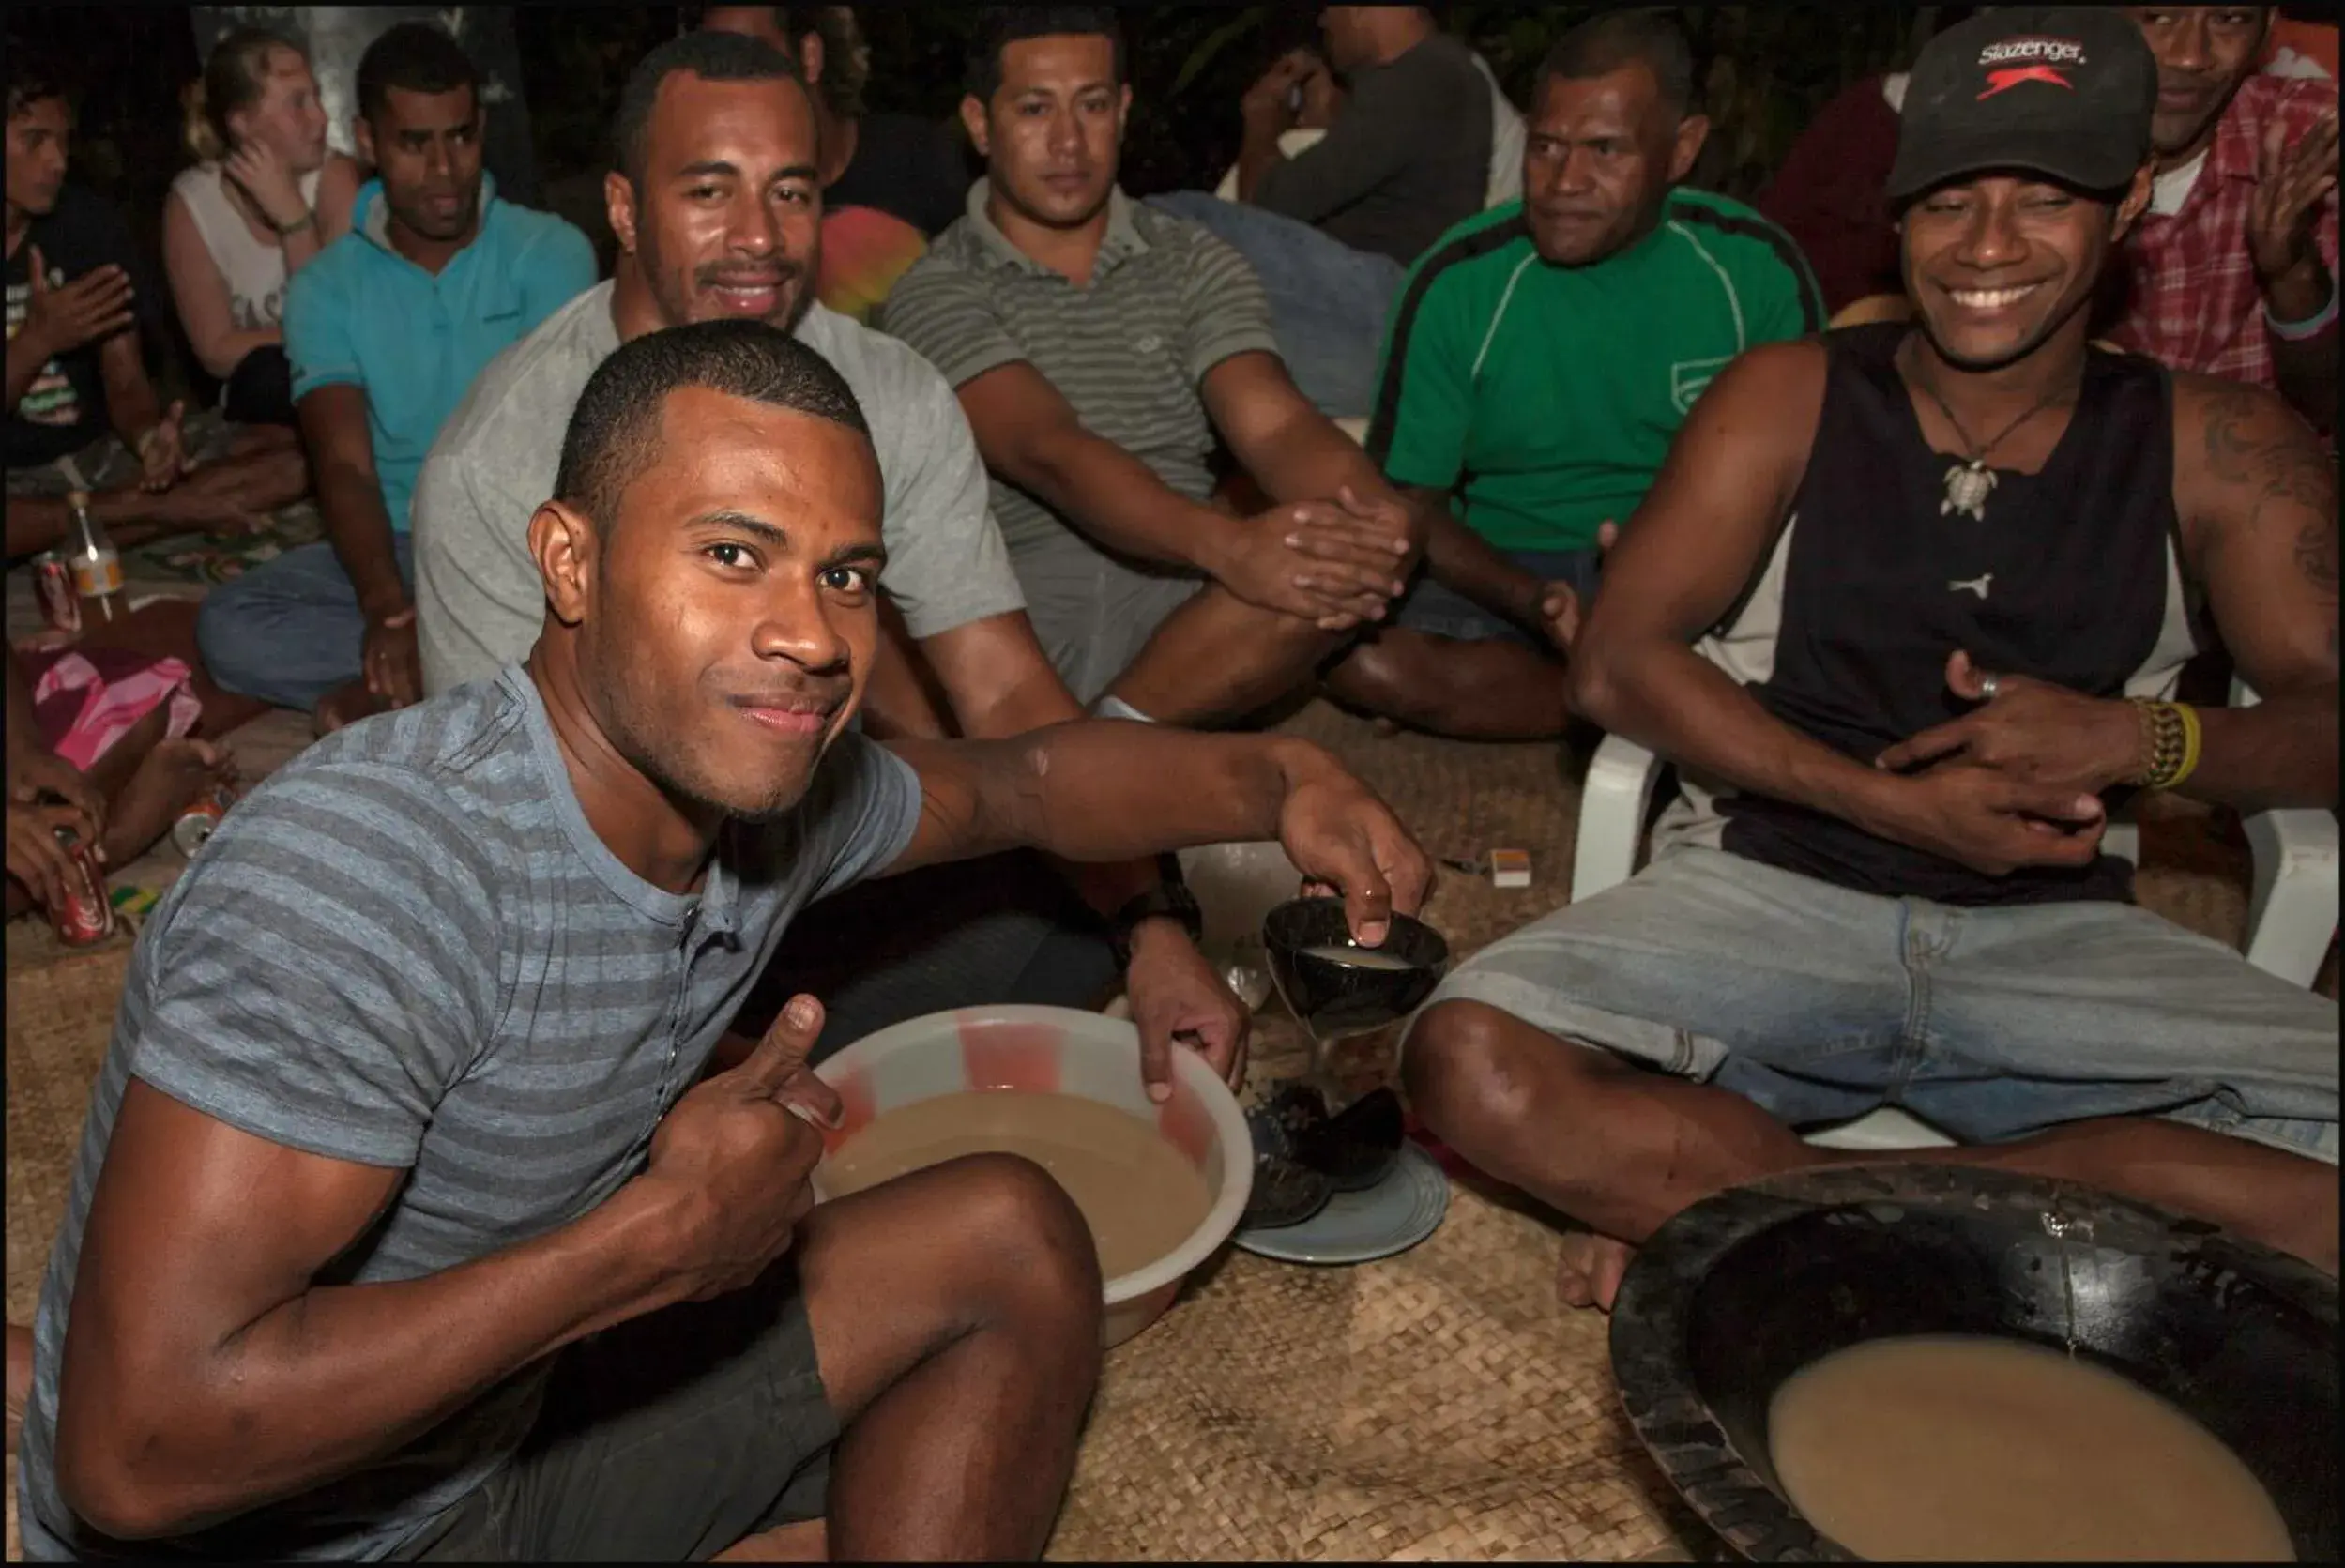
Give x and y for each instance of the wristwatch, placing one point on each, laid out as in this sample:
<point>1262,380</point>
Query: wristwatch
<point>1170,899</point>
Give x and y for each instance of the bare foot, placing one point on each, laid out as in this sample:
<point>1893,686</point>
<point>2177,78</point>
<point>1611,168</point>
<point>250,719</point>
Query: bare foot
<point>168,780</point>
<point>345,704</point>
<point>20,1378</point>
<point>1590,1271</point>
<point>808,1541</point>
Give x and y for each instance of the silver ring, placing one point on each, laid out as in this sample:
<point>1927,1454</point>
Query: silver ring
<point>1988,686</point>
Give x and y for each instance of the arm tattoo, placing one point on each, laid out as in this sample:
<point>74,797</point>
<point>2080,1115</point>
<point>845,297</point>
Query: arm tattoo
<point>2231,446</point>
<point>2316,556</point>
<point>2286,478</point>
<point>2285,481</point>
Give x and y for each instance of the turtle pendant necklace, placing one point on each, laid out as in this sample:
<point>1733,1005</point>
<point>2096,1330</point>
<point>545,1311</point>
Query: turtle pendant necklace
<point>1971,481</point>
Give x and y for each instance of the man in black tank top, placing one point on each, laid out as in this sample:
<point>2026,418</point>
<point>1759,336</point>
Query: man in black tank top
<point>1907,606</point>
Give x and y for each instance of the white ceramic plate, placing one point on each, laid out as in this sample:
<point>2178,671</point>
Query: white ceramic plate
<point>1391,1217</point>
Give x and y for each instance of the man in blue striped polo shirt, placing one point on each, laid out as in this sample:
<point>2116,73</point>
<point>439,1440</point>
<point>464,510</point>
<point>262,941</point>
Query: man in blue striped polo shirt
<point>408,1222</point>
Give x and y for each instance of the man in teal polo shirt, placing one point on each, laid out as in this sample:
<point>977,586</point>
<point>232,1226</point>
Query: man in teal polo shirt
<point>387,330</point>
<point>1539,359</point>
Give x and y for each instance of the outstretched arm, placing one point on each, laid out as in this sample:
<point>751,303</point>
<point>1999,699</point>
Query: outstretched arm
<point>1106,790</point>
<point>1001,685</point>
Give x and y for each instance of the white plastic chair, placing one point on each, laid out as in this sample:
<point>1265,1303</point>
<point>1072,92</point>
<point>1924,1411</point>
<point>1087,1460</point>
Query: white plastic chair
<point>2292,910</point>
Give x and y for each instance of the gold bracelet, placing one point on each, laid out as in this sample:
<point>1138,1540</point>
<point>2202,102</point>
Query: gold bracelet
<point>2191,745</point>
<point>2166,742</point>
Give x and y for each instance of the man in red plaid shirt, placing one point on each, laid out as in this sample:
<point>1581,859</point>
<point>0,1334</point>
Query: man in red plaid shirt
<point>2232,271</point>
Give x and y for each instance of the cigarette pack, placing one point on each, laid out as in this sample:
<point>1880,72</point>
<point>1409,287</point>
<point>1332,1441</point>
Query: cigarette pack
<point>1510,868</point>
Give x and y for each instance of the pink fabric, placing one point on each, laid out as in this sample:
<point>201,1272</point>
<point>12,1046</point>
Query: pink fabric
<point>2194,303</point>
<point>109,706</point>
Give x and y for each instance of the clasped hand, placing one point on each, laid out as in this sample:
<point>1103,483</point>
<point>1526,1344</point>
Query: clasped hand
<point>2016,780</point>
<point>1334,563</point>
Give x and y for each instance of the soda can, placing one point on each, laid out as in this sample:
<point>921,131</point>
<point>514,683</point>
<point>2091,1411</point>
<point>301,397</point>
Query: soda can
<point>60,602</point>
<point>84,918</point>
<point>196,823</point>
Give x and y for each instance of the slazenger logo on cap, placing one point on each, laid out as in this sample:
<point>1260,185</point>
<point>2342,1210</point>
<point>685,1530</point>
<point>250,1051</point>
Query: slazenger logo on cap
<point>2031,59</point>
<point>2034,50</point>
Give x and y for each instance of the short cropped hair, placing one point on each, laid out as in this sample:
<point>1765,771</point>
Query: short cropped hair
<point>414,57</point>
<point>615,431</point>
<point>999,26</point>
<point>710,56</point>
<point>1606,43</point>
<point>32,79</point>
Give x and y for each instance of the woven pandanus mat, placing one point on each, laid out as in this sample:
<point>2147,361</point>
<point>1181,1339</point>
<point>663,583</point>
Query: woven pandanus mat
<point>1434,1405</point>
<point>60,1016</point>
<point>1463,799</point>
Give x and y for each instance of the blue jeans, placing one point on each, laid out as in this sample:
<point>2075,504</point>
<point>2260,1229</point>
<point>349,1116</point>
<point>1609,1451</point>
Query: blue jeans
<point>1442,611</point>
<point>1328,301</point>
<point>289,632</point>
<point>1819,1004</point>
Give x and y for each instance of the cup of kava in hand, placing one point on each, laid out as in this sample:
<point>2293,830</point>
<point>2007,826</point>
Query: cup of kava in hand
<point>1160,1187</point>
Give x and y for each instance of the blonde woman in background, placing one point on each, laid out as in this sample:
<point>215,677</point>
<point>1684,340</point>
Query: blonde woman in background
<point>264,196</point>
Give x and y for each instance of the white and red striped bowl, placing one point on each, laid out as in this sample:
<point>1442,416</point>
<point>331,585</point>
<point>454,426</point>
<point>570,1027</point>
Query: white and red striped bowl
<point>1061,1050</point>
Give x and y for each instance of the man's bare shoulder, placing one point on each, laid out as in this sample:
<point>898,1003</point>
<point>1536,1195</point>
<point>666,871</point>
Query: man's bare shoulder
<point>2247,467</point>
<point>1792,364</point>
<point>1772,394</point>
<point>2228,432</point>
<point>1737,462</point>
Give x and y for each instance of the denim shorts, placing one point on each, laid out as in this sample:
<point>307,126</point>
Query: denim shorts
<point>1819,1004</point>
<point>1438,611</point>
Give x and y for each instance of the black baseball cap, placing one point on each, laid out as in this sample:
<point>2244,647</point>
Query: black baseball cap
<point>2064,91</point>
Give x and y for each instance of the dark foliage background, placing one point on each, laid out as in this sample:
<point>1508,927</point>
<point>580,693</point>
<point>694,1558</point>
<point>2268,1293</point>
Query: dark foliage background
<point>1766,68</point>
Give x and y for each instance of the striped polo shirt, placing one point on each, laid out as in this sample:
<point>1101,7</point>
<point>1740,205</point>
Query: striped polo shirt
<point>1166,303</point>
<point>409,950</point>
<point>1542,397</point>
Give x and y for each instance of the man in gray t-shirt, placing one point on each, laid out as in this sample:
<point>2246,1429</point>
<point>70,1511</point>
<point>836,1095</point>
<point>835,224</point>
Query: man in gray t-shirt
<point>1409,152</point>
<point>478,599</point>
<point>408,1219</point>
<point>716,212</point>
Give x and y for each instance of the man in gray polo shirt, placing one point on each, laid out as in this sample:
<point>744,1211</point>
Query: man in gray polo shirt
<point>717,211</point>
<point>405,1222</point>
<point>1098,347</point>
